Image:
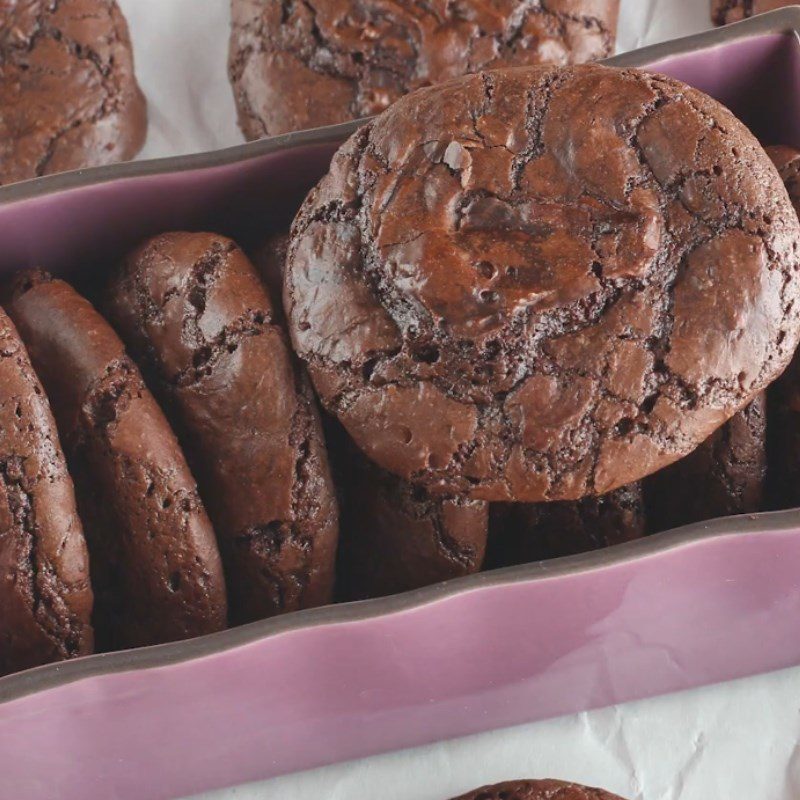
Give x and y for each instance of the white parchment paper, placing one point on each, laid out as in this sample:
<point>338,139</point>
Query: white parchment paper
<point>736,741</point>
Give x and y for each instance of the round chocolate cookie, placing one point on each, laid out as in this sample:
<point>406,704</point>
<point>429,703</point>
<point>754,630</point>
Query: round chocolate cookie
<point>396,537</point>
<point>725,11</point>
<point>192,309</point>
<point>68,93</point>
<point>296,65</point>
<point>537,790</point>
<point>725,475</point>
<point>45,593</point>
<point>524,532</point>
<point>156,568</point>
<point>541,284</point>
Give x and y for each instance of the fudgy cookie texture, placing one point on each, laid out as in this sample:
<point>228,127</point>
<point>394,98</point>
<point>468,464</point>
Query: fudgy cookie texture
<point>68,93</point>
<point>45,592</point>
<point>725,475</point>
<point>156,568</point>
<point>192,309</point>
<point>725,11</point>
<point>396,537</point>
<point>296,65</point>
<point>541,284</point>
<point>537,790</point>
<point>525,532</point>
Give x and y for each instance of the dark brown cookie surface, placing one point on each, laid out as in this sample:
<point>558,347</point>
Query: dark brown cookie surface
<point>270,261</point>
<point>296,65</point>
<point>396,537</point>
<point>784,395</point>
<point>542,284</point>
<point>725,475</point>
<point>537,790</point>
<point>725,11</point>
<point>524,532</point>
<point>68,94</point>
<point>155,564</point>
<point>191,307</point>
<point>45,592</point>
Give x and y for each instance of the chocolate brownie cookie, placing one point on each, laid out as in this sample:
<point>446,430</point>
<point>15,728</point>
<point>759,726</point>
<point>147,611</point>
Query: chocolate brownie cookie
<point>725,11</point>
<point>783,397</point>
<point>155,564</point>
<point>68,94</point>
<point>537,790</point>
<point>45,594</point>
<point>296,65</point>
<point>525,532</point>
<point>193,310</point>
<point>725,475</point>
<point>269,259</point>
<point>396,537</point>
<point>541,284</point>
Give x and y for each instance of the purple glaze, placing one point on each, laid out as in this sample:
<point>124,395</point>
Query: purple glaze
<point>660,615</point>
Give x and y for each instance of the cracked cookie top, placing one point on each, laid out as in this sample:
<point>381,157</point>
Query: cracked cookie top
<point>540,284</point>
<point>298,64</point>
<point>538,790</point>
<point>68,94</point>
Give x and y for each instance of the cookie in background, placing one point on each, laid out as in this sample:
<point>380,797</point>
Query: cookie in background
<point>521,533</point>
<point>396,536</point>
<point>68,92</point>
<point>725,11</point>
<point>295,66</point>
<point>726,475</point>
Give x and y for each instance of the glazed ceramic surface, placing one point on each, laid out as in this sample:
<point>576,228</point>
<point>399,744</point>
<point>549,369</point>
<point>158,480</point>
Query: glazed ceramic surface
<point>707,603</point>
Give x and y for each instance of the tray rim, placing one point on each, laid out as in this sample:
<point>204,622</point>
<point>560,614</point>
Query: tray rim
<point>52,676</point>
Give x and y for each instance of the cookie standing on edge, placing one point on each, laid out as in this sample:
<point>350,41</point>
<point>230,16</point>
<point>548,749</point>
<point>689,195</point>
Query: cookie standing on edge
<point>724,476</point>
<point>725,11</point>
<point>783,435</point>
<point>537,790</point>
<point>296,65</point>
<point>192,309</point>
<point>155,564</point>
<point>269,258</point>
<point>45,592</point>
<point>68,93</point>
<point>524,532</point>
<point>396,537</point>
<point>541,284</point>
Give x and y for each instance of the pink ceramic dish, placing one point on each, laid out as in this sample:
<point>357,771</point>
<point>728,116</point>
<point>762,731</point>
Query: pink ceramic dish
<point>703,604</point>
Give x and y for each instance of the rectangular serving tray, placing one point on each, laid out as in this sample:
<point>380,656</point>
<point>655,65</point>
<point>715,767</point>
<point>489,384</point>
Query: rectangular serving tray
<point>706,603</point>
